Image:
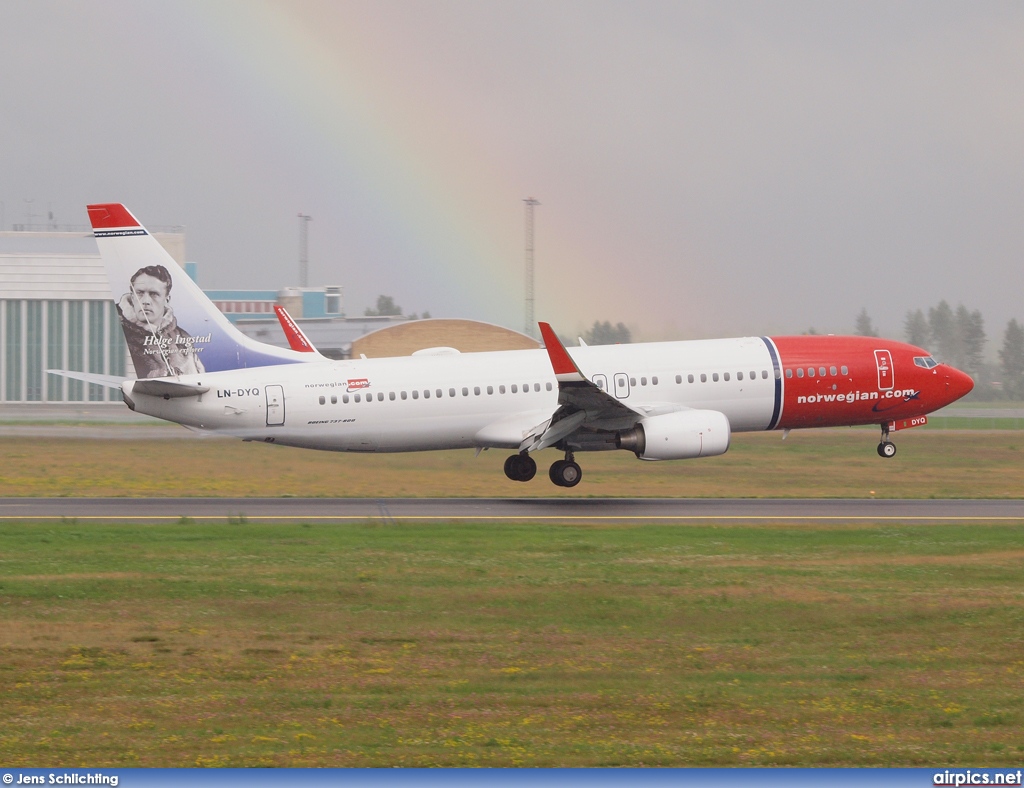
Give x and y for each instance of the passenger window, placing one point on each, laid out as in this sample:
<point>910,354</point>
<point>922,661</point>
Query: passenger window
<point>800,372</point>
<point>476,391</point>
<point>689,378</point>
<point>714,377</point>
<point>679,378</point>
<point>810,372</point>
<point>632,381</point>
<point>764,374</point>
<point>344,398</point>
<point>391,396</point>
<point>739,376</point>
<point>322,400</point>
<point>845,370</point>
<point>404,395</point>
<point>439,393</point>
<point>536,387</point>
<point>643,381</point>
<point>490,389</point>
<point>465,391</point>
<point>821,372</point>
<point>726,376</point>
<point>426,393</point>
<point>501,389</point>
<point>415,394</point>
<point>833,371</point>
<point>547,386</point>
<point>451,392</point>
<point>778,373</point>
<point>703,378</point>
<point>515,388</point>
<point>753,375</point>
<point>358,399</point>
<point>654,381</point>
<point>334,399</point>
<point>789,373</point>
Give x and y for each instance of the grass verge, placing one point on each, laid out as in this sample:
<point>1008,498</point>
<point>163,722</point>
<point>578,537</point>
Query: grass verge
<point>378,645</point>
<point>819,463</point>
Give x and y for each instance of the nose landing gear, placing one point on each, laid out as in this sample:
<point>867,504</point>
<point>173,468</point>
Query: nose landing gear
<point>886,448</point>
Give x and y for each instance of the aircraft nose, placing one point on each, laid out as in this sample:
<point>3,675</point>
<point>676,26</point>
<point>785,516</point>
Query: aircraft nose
<point>958,384</point>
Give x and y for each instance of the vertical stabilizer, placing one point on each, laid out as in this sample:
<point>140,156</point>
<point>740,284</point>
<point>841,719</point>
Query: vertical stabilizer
<point>171,327</point>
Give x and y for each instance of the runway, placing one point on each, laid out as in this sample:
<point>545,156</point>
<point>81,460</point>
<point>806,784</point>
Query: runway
<point>639,510</point>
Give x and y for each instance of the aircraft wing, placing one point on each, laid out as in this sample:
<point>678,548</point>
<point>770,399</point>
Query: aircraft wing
<point>581,404</point>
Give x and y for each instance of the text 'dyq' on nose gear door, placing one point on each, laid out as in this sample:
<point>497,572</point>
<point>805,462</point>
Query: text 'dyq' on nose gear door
<point>275,405</point>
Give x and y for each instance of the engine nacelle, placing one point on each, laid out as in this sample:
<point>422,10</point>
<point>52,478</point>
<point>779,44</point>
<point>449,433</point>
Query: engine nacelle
<point>678,436</point>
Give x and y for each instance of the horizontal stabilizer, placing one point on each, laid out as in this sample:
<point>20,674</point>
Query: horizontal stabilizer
<point>110,381</point>
<point>168,389</point>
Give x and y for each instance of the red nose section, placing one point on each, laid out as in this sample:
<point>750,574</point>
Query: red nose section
<point>958,384</point>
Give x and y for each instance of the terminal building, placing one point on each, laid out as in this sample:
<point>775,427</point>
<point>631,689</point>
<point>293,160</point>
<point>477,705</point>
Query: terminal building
<point>57,312</point>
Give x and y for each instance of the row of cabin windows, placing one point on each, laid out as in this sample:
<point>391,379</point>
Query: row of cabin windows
<point>821,372</point>
<point>715,377</point>
<point>725,376</point>
<point>437,393</point>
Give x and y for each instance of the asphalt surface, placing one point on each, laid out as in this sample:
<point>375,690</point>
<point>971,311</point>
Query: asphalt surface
<point>499,509</point>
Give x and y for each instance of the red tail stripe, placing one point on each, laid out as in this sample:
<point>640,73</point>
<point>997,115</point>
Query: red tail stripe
<point>109,215</point>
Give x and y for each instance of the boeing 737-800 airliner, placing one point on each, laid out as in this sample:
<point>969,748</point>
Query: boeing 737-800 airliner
<point>661,401</point>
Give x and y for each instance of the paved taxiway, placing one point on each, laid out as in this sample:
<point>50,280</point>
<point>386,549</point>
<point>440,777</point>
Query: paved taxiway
<point>488,509</point>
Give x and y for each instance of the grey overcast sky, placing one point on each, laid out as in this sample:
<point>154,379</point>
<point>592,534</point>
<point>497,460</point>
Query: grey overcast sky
<point>703,168</point>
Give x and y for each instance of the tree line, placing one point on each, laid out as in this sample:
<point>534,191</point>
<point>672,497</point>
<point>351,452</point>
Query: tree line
<point>957,337</point>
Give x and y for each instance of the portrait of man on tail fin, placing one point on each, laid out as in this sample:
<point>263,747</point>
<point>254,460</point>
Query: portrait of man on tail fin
<point>158,345</point>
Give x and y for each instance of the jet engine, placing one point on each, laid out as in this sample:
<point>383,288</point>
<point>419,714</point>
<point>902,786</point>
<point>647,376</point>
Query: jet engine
<point>678,436</point>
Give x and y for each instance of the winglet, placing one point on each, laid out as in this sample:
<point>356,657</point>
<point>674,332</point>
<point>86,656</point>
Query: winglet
<point>561,362</point>
<point>296,339</point>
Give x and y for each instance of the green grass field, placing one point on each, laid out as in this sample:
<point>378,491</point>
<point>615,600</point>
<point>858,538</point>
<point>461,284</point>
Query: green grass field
<point>516,644</point>
<point>817,463</point>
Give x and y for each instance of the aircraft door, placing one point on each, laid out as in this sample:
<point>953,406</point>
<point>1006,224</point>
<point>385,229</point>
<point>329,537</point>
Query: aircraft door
<point>621,381</point>
<point>275,405</point>
<point>601,381</point>
<point>883,361</point>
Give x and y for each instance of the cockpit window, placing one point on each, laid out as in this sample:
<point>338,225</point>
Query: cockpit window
<point>925,361</point>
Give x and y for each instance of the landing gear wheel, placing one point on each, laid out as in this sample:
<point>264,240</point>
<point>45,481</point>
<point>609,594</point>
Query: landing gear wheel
<point>565,473</point>
<point>886,449</point>
<point>520,467</point>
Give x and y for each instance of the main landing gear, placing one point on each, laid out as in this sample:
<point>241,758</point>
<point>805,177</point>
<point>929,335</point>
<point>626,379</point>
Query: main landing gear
<point>886,448</point>
<point>520,467</point>
<point>564,473</point>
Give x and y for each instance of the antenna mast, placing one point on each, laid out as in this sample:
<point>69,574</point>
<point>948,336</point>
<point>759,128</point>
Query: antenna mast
<point>304,249</point>
<point>530,326</point>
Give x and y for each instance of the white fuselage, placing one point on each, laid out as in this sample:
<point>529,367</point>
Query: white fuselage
<point>467,400</point>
